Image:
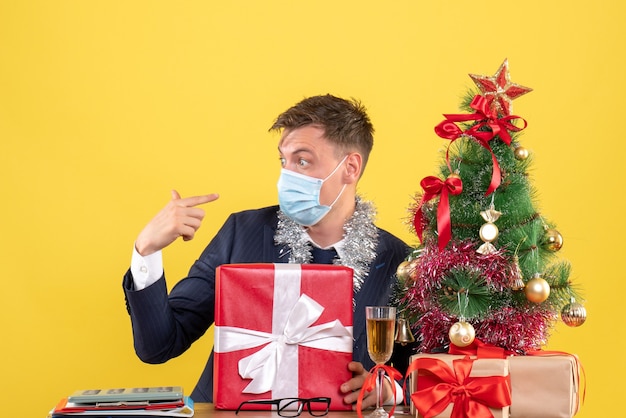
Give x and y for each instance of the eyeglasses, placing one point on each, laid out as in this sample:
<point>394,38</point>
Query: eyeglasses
<point>293,407</point>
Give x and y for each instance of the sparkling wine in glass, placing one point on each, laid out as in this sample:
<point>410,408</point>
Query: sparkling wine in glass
<point>381,325</point>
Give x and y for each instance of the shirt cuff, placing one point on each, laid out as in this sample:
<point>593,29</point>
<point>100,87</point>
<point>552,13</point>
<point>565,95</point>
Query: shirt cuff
<point>399,394</point>
<point>146,270</point>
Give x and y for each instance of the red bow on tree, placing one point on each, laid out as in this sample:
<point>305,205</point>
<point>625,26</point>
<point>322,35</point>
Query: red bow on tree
<point>488,126</point>
<point>433,187</point>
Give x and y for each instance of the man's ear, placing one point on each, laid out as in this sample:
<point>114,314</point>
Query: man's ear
<point>354,166</point>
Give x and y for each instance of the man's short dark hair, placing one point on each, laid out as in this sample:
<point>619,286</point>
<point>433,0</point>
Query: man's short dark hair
<point>345,122</point>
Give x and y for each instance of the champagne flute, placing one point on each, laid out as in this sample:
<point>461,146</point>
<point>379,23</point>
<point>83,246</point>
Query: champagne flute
<point>381,324</point>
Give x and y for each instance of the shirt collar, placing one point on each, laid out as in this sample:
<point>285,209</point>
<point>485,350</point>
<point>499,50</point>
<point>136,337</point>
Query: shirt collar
<point>338,246</point>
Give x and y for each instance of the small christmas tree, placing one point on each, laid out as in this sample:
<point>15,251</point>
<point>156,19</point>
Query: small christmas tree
<point>486,267</point>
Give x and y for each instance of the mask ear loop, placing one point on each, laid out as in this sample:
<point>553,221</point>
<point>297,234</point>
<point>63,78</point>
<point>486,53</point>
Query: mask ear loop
<point>330,175</point>
<point>338,196</point>
<point>336,168</point>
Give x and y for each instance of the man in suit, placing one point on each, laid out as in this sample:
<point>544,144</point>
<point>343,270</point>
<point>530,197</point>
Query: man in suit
<point>324,147</point>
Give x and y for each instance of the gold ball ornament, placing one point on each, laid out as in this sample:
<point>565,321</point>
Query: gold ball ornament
<point>404,270</point>
<point>521,153</point>
<point>552,240</point>
<point>574,314</point>
<point>413,270</point>
<point>462,334</point>
<point>537,289</point>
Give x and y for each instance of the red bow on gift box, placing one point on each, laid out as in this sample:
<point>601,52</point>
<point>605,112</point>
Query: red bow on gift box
<point>440,386</point>
<point>483,350</point>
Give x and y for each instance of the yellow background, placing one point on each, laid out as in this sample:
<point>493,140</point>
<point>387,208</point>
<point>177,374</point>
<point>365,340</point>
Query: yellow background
<point>107,105</point>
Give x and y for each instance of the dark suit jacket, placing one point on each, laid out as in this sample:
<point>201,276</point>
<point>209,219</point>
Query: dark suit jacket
<point>164,326</point>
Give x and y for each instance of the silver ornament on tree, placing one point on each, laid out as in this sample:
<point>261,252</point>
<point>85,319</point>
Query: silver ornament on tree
<point>489,231</point>
<point>573,314</point>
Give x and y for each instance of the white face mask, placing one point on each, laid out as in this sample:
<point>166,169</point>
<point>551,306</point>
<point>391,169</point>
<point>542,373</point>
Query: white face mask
<point>299,196</point>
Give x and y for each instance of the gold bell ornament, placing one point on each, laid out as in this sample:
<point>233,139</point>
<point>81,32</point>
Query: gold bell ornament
<point>404,335</point>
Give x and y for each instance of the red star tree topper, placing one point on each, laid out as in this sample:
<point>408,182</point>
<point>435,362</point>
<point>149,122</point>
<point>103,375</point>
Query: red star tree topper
<point>499,89</point>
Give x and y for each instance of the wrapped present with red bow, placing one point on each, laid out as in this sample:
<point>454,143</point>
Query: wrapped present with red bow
<point>541,384</point>
<point>282,331</point>
<point>459,386</point>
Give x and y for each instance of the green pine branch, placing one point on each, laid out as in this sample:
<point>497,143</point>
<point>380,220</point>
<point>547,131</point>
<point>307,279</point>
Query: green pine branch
<point>465,293</point>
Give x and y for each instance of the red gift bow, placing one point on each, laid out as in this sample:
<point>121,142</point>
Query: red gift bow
<point>471,396</point>
<point>483,350</point>
<point>433,187</point>
<point>370,384</point>
<point>487,118</point>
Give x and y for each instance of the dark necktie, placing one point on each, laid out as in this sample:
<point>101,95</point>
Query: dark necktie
<point>323,256</point>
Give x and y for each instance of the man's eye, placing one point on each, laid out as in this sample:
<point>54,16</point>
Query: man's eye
<point>302,162</point>
<point>282,161</point>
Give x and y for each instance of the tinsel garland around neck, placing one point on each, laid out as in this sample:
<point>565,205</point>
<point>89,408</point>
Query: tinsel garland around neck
<point>359,246</point>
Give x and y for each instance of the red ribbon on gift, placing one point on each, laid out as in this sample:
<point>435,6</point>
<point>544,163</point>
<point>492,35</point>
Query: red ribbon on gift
<point>433,187</point>
<point>488,126</point>
<point>480,350</point>
<point>440,386</point>
<point>483,350</point>
<point>370,384</point>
